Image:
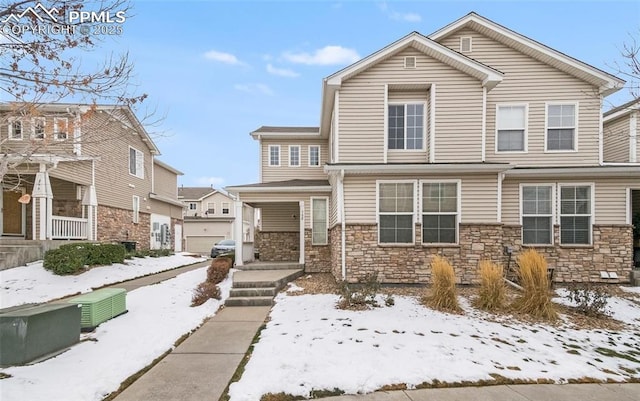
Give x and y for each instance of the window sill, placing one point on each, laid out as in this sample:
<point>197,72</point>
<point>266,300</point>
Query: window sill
<point>510,152</point>
<point>319,244</point>
<point>561,151</point>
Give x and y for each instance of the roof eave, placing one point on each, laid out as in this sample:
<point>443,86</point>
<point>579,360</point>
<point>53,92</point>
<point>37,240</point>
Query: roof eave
<point>471,168</point>
<point>317,188</point>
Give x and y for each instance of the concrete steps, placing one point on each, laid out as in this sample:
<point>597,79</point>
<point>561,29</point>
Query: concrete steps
<point>258,287</point>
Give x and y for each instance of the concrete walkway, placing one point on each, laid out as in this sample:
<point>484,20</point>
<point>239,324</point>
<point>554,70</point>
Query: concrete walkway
<point>156,278</point>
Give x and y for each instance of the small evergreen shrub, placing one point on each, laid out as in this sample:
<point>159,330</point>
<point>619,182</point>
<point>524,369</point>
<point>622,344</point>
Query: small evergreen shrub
<point>218,270</point>
<point>492,293</point>
<point>70,258</point>
<point>64,261</point>
<point>443,286</point>
<point>359,295</point>
<point>204,292</point>
<point>536,297</point>
<point>590,300</point>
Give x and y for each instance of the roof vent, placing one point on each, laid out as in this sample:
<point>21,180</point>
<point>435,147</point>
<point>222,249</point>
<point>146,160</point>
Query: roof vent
<point>410,62</point>
<point>465,44</point>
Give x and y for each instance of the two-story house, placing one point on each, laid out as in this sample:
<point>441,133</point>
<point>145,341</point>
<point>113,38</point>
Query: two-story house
<point>473,143</point>
<point>86,172</point>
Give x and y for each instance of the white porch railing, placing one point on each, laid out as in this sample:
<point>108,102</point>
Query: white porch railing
<point>68,227</point>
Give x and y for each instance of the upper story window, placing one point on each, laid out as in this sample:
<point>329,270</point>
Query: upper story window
<point>406,126</point>
<point>537,214</point>
<point>136,162</point>
<point>440,212</point>
<point>60,128</point>
<point>395,212</point>
<point>193,206</point>
<point>294,156</point>
<point>561,127</point>
<point>511,128</point>
<point>15,129</point>
<point>37,127</point>
<point>274,155</point>
<point>211,208</point>
<point>314,155</point>
<point>225,207</point>
<point>575,214</point>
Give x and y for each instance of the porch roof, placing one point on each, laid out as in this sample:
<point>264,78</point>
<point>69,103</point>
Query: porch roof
<point>283,186</point>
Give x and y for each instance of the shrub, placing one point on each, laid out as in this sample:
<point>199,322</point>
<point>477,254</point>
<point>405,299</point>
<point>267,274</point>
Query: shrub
<point>536,297</point>
<point>590,300</point>
<point>359,295</point>
<point>64,261</point>
<point>218,270</point>
<point>492,293</point>
<point>203,292</point>
<point>443,286</point>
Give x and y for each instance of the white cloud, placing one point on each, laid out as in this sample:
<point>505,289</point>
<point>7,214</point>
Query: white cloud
<point>328,55</point>
<point>255,88</point>
<point>282,72</point>
<point>222,57</point>
<point>398,16</point>
<point>208,181</point>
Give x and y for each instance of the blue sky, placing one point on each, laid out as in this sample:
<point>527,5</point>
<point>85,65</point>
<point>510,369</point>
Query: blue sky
<point>217,70</point>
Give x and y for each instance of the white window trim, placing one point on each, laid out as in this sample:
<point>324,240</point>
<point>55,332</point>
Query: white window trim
<point>326,199</point>
<point>33,128</point>
<point>270,163</point>
<point>299,155</point>
<point>10,123</point>
<point>214,207</point>
<point>593,210</point>
<point>458,182</point>
<point>554,203</point>
<point>424,126</point>
<point>462,38</point>
<point>575,128</point>
<point>309,155</point>
<point>136,209</point>
<point>228,208</point>
<point>56,128</point>
<point>526,128</point>
<point>413,215</point>
<point>138,174</point>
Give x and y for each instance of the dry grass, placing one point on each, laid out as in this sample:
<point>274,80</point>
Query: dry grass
<point>492,291</point>
<point>443,288</point>
<point>204,292</point>
<point>536,297</point>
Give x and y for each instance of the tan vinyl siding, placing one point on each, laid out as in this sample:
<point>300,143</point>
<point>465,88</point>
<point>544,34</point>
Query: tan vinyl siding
<point>478,197</point>
<point>284,172</point>
<point>280,217</point>
<point>78,172</point>
<point>458,109</point>
<point>165,209</point>
<point>165,182</point>
<point>527,80</point>
<point>617,140</point>
<point>47,145</point>
<point>63,190</point>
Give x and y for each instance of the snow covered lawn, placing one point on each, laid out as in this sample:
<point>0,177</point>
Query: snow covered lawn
<point>158,315</point>
<point>34,284</point>
<point>310,345</point>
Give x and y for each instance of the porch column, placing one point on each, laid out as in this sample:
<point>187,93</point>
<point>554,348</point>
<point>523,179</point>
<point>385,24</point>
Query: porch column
<point>90,203</point>
<point>238,231</point>
<point>42,204</point>
<point>301,261</point>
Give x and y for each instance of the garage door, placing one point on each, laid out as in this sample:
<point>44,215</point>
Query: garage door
<point>202,244</point>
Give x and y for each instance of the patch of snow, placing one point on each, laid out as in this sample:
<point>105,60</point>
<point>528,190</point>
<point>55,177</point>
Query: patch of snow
<point>33,284</point>
<point>635,290</point>
<point>158,315</point>
<point>294,288</point>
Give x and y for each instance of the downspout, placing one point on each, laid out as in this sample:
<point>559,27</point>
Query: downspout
<point>343,226</point>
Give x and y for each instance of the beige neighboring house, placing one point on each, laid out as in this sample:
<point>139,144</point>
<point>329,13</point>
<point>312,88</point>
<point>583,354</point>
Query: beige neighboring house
<point>94,175</point>
<point>474,142</point>
<point>208,217</point>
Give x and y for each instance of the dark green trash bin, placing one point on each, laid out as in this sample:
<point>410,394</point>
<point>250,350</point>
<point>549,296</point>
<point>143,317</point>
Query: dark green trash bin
<point>129,246</point>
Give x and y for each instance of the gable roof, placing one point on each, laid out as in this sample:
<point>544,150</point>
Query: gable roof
<point>167,167</point>
<point>622,110</point>
<point>607,83</point>
<point>195,193</point>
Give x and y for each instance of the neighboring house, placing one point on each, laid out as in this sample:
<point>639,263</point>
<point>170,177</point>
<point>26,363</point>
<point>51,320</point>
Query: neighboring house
<point>209,217</point>
<point>473,143</point>
<point>92,174</point>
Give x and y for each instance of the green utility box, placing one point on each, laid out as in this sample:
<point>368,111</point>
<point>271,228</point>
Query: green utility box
<point>28,332</point>
<point>100,305</point>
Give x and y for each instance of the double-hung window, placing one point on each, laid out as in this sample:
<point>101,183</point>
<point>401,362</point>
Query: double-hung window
<point>225,207</point>
<point>60,128</point>
<point>575,214</point>
<point>274,155</point>
<point>511,125</point>
<point>136,162</point>
<point>537,214</point>
<point>439,212</point>
<point>314,155</point>
<point>405,126</point>
<point>193,206</point>
<point>15,129</point>
<point>561,127</point>
<point>395,212</point>
<point>294,156</point>
<point>211,208</point>
<point>319,220</point>
<point>37,127</point>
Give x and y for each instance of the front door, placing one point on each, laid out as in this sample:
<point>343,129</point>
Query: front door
<point>11,213</point>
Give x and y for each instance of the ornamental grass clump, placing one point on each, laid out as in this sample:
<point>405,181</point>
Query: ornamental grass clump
<point>443,286</point>
<point>492,293</point>
<point>536,297</point>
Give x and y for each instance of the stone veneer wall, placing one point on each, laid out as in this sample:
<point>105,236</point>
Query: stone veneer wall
<point>115,225</point>
<point>612,251</point>
<point>275,246</point>
<point>335,239</point>
<point>317,258</point>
